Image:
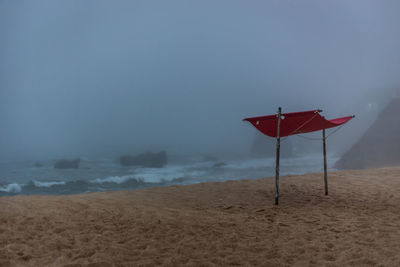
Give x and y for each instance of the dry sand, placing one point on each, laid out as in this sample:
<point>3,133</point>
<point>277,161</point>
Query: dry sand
<point>212,224</point>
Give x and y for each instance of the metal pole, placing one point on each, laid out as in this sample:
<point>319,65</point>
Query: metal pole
<point>325,171</point>
<point>278,146</point>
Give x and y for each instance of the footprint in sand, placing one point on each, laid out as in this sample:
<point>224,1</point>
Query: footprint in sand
<point>329,257</point>
<point>330,245</point>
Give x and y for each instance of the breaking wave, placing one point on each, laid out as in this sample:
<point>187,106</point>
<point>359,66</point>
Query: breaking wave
<point>141,178</point>
<point>11,188</point>
<point>108,176</point>
<point>47,184</point>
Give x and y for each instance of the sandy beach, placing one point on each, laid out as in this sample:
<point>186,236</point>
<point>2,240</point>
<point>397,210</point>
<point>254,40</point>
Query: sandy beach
<point>212,224</point>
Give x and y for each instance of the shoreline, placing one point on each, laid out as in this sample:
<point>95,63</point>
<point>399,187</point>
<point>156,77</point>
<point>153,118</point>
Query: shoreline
<point>219,223</point>
<point>106,175</point>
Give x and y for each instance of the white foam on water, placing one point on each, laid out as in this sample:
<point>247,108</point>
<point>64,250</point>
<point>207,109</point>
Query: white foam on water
<point>190,172</point>
<point>153,175</point>
<point>251,163</point>
<point>113,179</point>
<point>48,184</point>
<point>157,175</point>
<point>11,188</point>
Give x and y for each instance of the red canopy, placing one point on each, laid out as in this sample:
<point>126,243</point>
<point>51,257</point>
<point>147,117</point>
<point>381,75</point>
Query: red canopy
<point>295,123</point>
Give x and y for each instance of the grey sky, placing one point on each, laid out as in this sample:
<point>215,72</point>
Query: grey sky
<point>99,77</point>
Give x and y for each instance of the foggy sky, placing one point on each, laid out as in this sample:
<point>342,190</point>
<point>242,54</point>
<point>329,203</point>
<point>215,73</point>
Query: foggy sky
<point>83,78</point>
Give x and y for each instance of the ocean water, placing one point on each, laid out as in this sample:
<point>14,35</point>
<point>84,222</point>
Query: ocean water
<point>97,175</point>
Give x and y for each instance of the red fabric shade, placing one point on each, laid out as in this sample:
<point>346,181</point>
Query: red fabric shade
<point>295,123</point>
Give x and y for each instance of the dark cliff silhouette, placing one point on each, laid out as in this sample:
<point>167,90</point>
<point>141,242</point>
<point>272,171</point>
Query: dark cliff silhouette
<point>380,144</point>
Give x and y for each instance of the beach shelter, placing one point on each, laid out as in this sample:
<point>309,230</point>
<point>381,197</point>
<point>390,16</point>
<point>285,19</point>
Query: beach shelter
<point>286,124</point>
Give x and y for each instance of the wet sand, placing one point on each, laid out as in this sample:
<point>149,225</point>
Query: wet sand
<point>212,224</point>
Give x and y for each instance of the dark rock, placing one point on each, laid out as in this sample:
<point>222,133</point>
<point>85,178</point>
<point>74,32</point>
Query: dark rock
<point>380,144</point>
<point>67,164</point>
<point>149,160</point>
<point>219,164</point>
<point>38,165</point>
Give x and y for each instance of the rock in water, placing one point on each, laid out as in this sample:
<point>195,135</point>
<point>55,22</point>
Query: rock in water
<point>67,164</point>
<point>149,160</point>
<point>219,164</point>
<point>38,165</point>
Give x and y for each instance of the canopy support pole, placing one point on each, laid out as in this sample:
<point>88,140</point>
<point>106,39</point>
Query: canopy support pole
<point>278,148</point>
<point>325,168</point>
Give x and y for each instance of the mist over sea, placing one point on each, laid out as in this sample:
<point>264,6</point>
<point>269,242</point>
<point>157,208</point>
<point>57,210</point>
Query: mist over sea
<point>100,78</point>
<point>103,174</point>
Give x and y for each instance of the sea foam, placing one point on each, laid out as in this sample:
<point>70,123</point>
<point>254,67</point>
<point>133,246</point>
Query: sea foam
<point>47,184</point>
<point>152,175</point>
<point>11,188</point>
<point>114,179</point>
